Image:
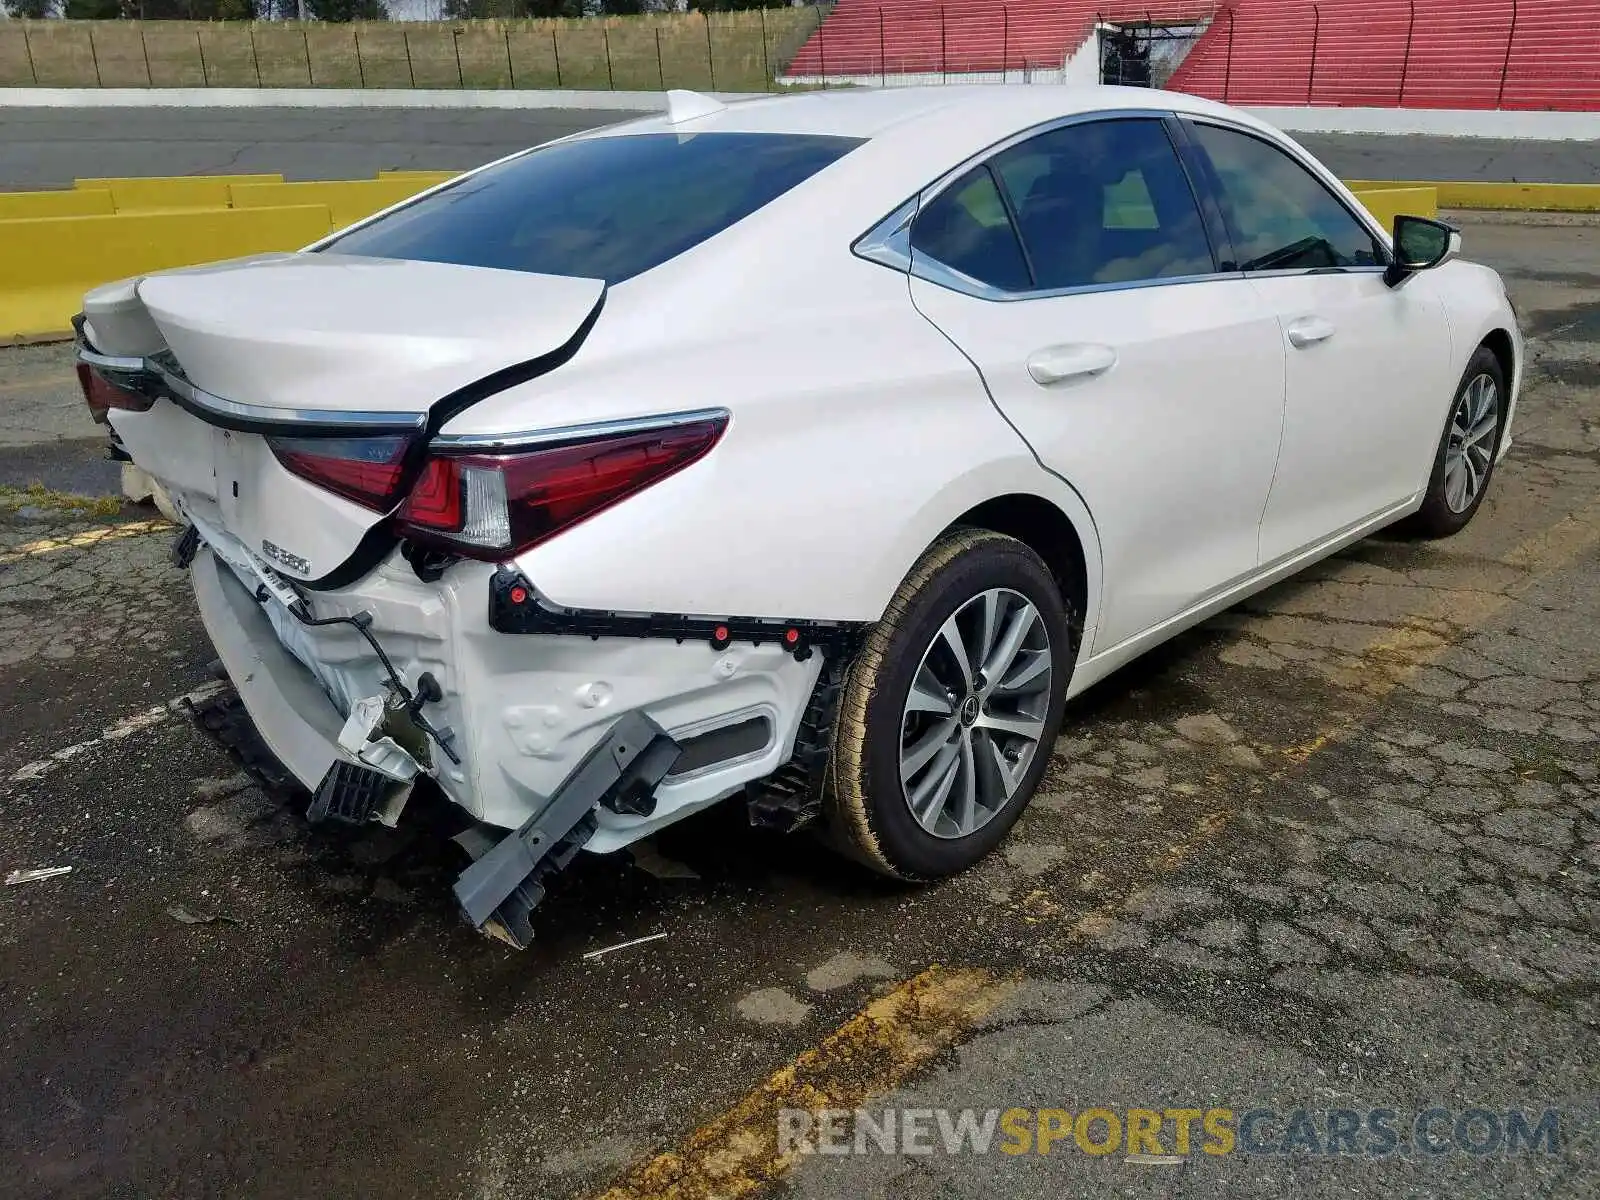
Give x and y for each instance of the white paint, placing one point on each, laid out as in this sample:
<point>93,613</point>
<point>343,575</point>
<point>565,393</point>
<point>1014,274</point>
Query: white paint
<point>1082,68</point>
<point>836,471</point>
<point>337,98</point>
<point>1534,126</point>
<point>903,79</point>
<point>126,727</point>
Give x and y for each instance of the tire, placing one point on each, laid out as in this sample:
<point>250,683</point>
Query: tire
<point>967,579</point>
<point>1446,509</point>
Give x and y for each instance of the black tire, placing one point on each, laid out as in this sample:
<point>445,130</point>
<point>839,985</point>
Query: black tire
<point>867,811</point>
<point>1436,518</point>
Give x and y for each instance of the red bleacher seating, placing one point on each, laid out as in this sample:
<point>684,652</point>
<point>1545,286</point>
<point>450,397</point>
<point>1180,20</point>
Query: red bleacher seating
<point>1260,52</point>
<point>1384,53</point>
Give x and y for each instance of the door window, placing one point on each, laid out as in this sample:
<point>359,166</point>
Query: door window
<point>1280,215</point>
<point>1104,202</point>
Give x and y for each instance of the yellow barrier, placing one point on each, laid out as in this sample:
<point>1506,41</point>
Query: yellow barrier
<point>347,200</point>
<point>1545,197</point>
<point>180,191</point>
<point>1386,203</point>
<point>82,202</point>
<point>428,177</point>
<point>51,262</point>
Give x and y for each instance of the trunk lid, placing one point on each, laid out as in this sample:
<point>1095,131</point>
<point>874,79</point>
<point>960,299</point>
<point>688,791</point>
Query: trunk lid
<point>352,354</point>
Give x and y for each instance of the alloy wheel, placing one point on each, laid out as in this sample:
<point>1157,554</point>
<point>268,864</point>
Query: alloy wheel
<point>975,713</point>
<point>1470,444</point>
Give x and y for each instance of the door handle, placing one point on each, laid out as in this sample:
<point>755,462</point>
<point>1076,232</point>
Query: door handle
<point>1054,364</point>
<point>1308,331</point>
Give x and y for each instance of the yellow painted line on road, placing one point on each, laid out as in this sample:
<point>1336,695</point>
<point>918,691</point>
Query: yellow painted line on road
<point>871,1053</point>
<point>78,541</point>
<point>735,1154</point>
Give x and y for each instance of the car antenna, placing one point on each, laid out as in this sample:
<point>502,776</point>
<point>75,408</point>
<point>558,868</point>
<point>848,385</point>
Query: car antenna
<point>684,105</point>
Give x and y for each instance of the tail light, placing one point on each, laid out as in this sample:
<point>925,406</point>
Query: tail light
<point>367,471</point>
<point>103,393</point>
<point>493,505</point>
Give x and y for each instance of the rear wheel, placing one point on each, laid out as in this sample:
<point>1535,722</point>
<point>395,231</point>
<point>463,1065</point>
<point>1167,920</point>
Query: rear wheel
<point>949,713</point>
<point>1465,459</point>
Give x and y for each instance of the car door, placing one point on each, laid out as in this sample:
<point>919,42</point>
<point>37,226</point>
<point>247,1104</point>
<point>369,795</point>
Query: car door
<point>1075,270</point>
<point>1368,377</point>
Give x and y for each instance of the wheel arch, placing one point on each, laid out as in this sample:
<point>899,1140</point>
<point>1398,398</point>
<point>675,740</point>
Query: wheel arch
<point>1048,532</point>
<point>1499,343</point>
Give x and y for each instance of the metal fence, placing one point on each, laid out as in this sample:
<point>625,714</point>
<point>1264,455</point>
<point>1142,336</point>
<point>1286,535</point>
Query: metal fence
<point>735,51</point>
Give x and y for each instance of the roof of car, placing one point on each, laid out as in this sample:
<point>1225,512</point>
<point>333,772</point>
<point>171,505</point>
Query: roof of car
<point>876,112</point>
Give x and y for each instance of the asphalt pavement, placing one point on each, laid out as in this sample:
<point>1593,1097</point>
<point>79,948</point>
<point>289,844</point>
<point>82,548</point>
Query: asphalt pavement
<point>1337,850</point>
<point>42,148</point>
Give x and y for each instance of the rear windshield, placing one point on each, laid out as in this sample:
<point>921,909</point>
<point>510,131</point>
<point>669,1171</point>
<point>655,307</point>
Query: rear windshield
<point>600,208</point>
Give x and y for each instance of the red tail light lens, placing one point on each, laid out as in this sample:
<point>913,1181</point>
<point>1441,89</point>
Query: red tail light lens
<point>493,505</point>
<point>364,470</point>
<point>102,394</point>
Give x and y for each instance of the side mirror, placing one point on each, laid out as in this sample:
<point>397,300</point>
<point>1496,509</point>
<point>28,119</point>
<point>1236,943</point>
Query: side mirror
<point>1420,243</point>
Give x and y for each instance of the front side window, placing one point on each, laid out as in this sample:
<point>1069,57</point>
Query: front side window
<point>1280,215</point>
<point>1104,202</point>
<point>599,208</point>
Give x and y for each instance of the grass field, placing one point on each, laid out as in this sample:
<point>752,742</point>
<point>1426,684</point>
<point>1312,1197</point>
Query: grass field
<point>736,51</point>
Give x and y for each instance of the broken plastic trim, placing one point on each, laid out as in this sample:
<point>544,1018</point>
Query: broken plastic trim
<point>516,606</point>
<point>500,890</point>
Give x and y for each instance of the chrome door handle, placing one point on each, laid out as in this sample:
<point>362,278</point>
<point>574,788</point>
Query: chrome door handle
<point>1308,331</point>
<point>1055,364</point>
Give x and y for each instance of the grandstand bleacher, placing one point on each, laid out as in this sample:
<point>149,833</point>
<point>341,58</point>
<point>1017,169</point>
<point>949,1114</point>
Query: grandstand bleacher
<point>1474,54</point>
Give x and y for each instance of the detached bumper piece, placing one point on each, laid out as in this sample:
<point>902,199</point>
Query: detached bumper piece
<point>500,890</point>
<point>351,793</point>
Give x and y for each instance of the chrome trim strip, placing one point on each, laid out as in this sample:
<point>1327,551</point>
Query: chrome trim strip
<point>466,443</point>
<point>888,243</point>
<point>111,362</point>
<point>936,272</point>
<point>289,418</point>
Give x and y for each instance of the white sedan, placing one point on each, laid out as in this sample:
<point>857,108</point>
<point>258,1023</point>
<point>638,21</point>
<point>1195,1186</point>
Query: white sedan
<point>809,452</point>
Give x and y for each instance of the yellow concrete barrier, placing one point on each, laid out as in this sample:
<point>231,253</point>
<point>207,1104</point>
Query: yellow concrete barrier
<point>429,177</point>
<point>80,202</point>
<point>1386,203</point>
<point>1544,197</point>
<point>181,191</point>
<point>51,262</point>
<point>347,200</point>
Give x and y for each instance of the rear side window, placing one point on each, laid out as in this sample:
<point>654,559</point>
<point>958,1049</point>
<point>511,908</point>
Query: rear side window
<point>600,208</point>
<point>1104,202</point>
<point>966,228</point>
<point>1280,215</point>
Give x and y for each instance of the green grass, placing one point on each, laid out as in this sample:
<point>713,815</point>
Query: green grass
<point>743,51</point>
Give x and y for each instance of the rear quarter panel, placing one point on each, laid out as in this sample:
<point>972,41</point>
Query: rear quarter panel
<point>858,433</point>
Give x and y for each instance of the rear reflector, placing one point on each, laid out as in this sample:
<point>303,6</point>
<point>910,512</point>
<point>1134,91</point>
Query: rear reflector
<point>495,505</point>
<point>101,394</point>
<point>367,471</point>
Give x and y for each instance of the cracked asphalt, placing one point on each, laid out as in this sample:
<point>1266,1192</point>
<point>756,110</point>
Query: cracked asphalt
<point>1337,849</point>
<point>50,147</point>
